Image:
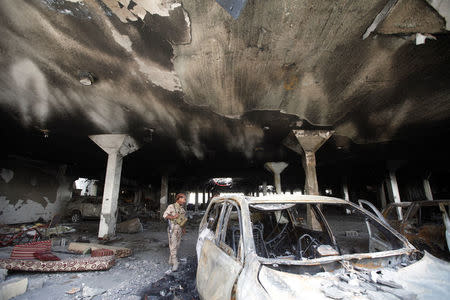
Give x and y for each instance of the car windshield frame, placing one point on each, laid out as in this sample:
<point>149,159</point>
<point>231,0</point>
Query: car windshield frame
<point>407,248</point>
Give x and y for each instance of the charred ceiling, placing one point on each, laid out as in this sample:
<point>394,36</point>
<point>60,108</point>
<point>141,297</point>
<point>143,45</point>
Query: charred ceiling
<point>202,90</point>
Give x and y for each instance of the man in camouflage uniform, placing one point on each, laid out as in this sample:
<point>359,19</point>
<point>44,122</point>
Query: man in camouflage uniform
<point>176,215</point>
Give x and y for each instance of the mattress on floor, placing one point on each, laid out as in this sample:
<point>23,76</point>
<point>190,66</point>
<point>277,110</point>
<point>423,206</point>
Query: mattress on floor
<point>65,265</point>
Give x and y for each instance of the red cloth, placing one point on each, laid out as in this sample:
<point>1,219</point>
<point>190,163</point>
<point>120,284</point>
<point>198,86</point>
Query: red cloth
<point>101,252</point>
<point>45,256</point>
<point>26,251</point>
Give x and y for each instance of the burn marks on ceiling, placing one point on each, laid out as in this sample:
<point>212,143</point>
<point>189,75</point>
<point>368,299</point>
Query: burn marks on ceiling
<point>45,48</point>
<point>335,78</point>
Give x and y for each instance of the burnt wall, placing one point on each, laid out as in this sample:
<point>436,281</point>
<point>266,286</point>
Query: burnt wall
<point>32,190</point>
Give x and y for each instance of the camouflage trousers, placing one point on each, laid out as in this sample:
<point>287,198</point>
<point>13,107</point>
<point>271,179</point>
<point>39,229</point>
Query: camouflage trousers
<point>174,242</point>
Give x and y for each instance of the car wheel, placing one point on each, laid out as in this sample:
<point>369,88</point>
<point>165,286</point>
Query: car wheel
<point>76,217</point>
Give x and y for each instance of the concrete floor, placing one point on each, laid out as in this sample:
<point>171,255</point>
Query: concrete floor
<point>127,279</point>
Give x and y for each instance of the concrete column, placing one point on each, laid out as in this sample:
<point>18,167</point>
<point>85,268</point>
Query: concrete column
<point>427,188</point>
<point>345,192</point>
<point>276,168</point>
<point>310,141</point>
<point>117,146</point>
<point>196,199</point>
<point>264,188</point>
<point>92,188</point>
<point>382,195</point>
<point>164,194</point>
<point>395,193</point>
<point>204,197</point>
<point>137,196</point>
<point>309,165</point>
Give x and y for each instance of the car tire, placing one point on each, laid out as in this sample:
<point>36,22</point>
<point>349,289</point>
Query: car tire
<point>76,217</point>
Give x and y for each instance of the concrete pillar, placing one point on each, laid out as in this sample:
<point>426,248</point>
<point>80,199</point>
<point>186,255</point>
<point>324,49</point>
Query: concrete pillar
<point>394,192</point>
<point>345,192</point>
<point>264,188</point>
<point>137,196</point>
<point>382,195</point>
<point>427,188</point>
<point>164,194</point>
<point>310,141</point>
<point>196,199</point>
<point>276,168</point>
<point>204,197</point>
<point>117,146</point>
<point>92,188</point>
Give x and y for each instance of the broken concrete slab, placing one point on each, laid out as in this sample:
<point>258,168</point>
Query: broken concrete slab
<point>130,226</point>
<point>119,252</point>
<point>13,288</point>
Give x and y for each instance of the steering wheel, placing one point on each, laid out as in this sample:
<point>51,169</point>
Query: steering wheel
<point>307,245</point>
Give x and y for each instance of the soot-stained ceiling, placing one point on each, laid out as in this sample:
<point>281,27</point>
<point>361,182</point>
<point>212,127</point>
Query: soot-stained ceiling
<point>203,92</point>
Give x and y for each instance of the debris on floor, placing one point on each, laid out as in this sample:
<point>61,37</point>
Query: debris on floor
<point>130,226</point>
<point>125,280</point>
<point>73,291</point>
<point>178,285</point>
<point>11,235</point>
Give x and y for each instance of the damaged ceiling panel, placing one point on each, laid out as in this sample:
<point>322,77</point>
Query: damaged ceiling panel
<point>193,82</point>
<point>412,16</point>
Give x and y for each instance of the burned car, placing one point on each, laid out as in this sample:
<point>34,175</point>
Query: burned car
<point>425,224</point>
<point>265,248</point>
<point>90,207</point>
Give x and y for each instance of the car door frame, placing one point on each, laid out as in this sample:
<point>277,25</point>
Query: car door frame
<point>215,262</point>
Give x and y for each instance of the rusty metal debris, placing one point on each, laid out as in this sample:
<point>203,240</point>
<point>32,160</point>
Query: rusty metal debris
<point>424,224</point>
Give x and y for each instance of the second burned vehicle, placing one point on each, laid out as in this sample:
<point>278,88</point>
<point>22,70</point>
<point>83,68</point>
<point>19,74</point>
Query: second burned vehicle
<point>308,247</point>
<point>90,207</point>
<point>425,224</point>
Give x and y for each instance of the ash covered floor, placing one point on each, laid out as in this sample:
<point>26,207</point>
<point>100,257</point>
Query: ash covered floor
<point>143,273</point>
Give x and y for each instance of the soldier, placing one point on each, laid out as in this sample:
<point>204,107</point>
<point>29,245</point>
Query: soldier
<point>176,215</point>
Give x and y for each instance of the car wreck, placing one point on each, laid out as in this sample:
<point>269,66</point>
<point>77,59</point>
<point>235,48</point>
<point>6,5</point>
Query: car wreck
<point>90,207</point>
<point>425,224</point>
<point>268,248</point>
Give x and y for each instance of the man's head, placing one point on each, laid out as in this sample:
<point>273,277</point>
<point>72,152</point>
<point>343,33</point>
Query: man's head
<point>180,198</point>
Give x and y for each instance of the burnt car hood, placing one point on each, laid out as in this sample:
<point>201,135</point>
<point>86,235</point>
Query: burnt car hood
<point>424,279</point>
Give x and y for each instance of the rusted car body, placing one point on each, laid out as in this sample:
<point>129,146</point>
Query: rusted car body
<point>425,224</point>
<point>263,248</point>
